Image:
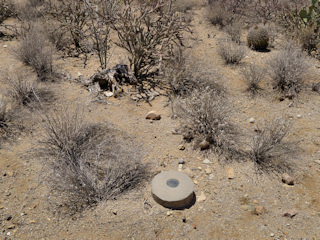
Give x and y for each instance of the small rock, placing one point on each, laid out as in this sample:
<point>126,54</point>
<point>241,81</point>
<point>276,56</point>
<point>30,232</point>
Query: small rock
<point>317,161</point>
<point>181,147</point>
<point>251,120</point>
<point>229,172</point>
<point>259,210</point>
<point>271,234</point>
<point>204,145</point>
<point>255,201</point>
<point>181,161</point>
<point>189,172</point>
<point>153,115</point>
<point>180,167</point>
<point>195,182</point>
<point>211,176</point>
<point>108,93</point>
<point>11,226</point>
<point>114,211</point>
<point>206,161</point>
<point>188,136</point>
<point>194,226</point>
<point>286,178</point>
<point>32,221</point>
<point>245,207</point>
<point>175,131</point>
<point>201,198</point>
<point>291,212</point>
<point>169,213</point>
<point>299,116</point>
<point>80,74</point>
<point>184,219</point>
<point>208,171</point>
<point>1,207</point>
<point>5,46</point>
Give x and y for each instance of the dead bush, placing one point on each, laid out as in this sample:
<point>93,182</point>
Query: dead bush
<point>182,74</point>
<point>147,33</point>
<point>287,69</point>
<point>253,74</point>
<point>6,10</point>
<point>88,162</point>
<point>4,117</point>
<point>184,5</point>
<point>25,92</point>
<point>308,39</point>
<point>218,16</point>
<point>231,52</point>
<point>267,148</point>
<point>234,30</point>
<point>205,114</point>
<point>36,51</point>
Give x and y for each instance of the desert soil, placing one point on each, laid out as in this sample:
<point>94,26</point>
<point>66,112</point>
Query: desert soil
<point>27,210</point>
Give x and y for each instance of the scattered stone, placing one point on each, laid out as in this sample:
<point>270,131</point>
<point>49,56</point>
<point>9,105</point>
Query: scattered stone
<point>11,226</point>
<point>286,178</point>
<point>189,172</point>
<point>211,176</point>
<point>181,147</point>
<point>299,116</point>
<point>153,115</point>
<point>271,234</point>
<point>32,221</point>
<point>259,210</point>
<point>80,74</point>
<point>251,120</point>
<point>180,167</point>
<point>195,182</point>
<point>114,211</point>
<point>1,207</point>
<point>184,219</point>
<point>194,226</point>
<point>229,172</point>
<point>188,136</point>
<point>5,46</point>
<point>208,171</point>
<point>291,212</point>
<point>169,213</point>
<point>206,161</point>
<point>204,145</point>
<point>181,161</point>
<point>175,131</point>
<point>317,161</point>
<point>255,201</point>
<point>201,198</point>
<point>108,93</point>
<point>245,207</point>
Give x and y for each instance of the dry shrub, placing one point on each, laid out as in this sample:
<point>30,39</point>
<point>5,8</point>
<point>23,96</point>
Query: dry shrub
<point>205,114</point>
<point>4,116</point>
<point>25,92</point>
<point>287,69</point>
<point>183,74</point>
<point>316,87</point>
<point>6,10</point>
<point>234,30</point>
<point>268,150</point>
<point>308,39</point>
<point>218,16</point>
<point>184,5</point>
<point>88,162</point>
<point>147,33</point>
<point>231,52</point>
<point>36,51</point>
<point>253,74</point>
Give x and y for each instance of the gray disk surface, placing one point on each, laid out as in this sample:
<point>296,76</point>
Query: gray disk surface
<point>172,189</point>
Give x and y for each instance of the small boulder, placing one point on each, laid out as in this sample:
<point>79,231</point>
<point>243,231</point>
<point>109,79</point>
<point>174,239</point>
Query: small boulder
<point>204,145</point>
<point>153,115</point>
<point>286,178</point>
<point>291,212</point>
<point>259,210</point>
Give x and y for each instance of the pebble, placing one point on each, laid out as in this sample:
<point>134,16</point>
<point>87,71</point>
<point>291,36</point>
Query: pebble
<point>208,171</point>
<point>180,167</point>
<point>114,211</point>
<point>255,201</point>
<point>271,234</point>
<point>206,161</point>
<point>286,178</point>
<point>251,120</point>
<point>181,147</point>
<point>181,161</point>
<point>153,115</point>
<point>245,207</point>
<point>291,212</point>
<point>211,176</point>
<point>80,74</point>
<point>184,219</point>
<point>259,210</point>
<point>317,161</point>
<point>12,226</point>
<point>189,172</point>
<point>194,226</point>
<point>201,198</point>
<point>299,116</point>
<point>169,213</point>
<point>175,131</point>
<point>229,172</point>
<point>5,46</point>
<point>204,145</point>
<point>32,221</point>
<point>108,93</point>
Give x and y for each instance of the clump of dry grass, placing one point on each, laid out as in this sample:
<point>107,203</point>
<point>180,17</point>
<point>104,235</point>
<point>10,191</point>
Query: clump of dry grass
<point>36,51</point>
<point>231,52</point>
<point>287,69</point>
<point>88,162</point>
<point>253,74</point>
<point>267,146</point>
<point>206,115</point>
<point>218,16</point>
<point>234,30</point>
